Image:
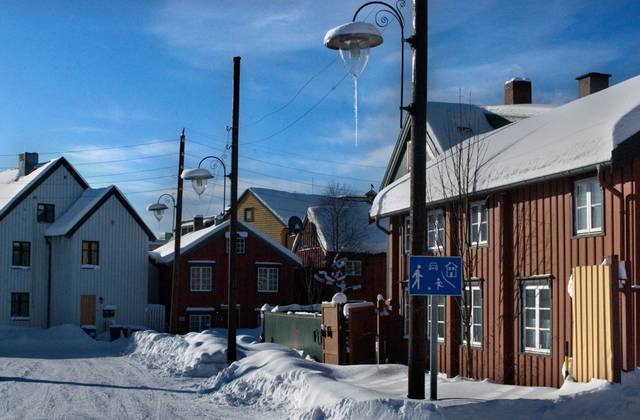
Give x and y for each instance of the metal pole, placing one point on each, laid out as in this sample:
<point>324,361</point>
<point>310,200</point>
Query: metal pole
<point>231,318</point>
<point>433,347</point>
<point>418,212</point>
<point>176,241</point>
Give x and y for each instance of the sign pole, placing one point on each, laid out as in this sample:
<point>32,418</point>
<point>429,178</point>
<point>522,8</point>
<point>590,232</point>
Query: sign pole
<point>433,347</point>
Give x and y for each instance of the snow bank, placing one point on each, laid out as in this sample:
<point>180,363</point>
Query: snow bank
<point>195,354</point>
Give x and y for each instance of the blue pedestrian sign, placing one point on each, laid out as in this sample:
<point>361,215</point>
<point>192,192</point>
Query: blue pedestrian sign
<point>435,275</point>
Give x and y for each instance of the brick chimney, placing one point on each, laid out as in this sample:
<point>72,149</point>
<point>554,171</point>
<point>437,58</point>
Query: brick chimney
<point>27,162</point>
<point>592,82</point>
<point>198,222</point>
<point>517,91</point>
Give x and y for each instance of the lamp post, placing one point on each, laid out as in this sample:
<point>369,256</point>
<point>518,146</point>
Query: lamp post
<point>354,40</point>
<point>199,177</point>
<point>158,208</point>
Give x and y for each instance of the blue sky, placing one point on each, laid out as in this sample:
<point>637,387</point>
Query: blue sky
<point>87,77</point>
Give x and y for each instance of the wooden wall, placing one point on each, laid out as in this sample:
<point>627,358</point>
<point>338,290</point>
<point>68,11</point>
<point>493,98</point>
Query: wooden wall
<point>531,234</point>
<point>263,219</point>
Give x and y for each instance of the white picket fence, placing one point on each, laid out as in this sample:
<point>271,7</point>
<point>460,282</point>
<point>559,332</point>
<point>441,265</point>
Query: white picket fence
<point>155,317</point>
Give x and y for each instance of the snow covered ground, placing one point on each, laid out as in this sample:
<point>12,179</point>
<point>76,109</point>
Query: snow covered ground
<point>62,373</point>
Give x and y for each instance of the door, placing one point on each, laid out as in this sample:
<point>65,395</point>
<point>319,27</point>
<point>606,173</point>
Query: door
<point>87,309</point>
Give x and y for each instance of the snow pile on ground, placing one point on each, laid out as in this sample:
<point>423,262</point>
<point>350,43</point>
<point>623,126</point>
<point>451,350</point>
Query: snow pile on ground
<point>195,354</point>
<point>279,378</point>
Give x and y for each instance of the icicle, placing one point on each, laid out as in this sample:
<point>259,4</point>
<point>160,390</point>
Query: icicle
<point>355,105</point>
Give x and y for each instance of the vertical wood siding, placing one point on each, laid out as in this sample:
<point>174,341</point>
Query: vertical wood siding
<point>121,278</point>
<point>531,234</point>
<point>60,189</point>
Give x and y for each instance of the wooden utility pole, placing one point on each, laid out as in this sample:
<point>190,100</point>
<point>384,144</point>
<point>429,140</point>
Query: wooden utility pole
<point>418,210</point>
<point>176,241</point>
<point>233,217</point>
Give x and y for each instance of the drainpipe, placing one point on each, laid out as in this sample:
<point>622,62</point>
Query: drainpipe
<point>377,220</point>
<point>48,281</point>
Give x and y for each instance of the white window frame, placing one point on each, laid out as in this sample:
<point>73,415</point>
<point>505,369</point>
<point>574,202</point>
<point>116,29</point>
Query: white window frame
<point>406,236</point>
<point>353,268</point>
<point>537,286</point>
<point>481,207</point>
<point>435,229</point>
<point>198,319</point>
<point>241,247</point>
<point>198,283</point>
<point>441,303</point>
<point>475,341</point>
<point>589,206</point>
<point>268,275</point>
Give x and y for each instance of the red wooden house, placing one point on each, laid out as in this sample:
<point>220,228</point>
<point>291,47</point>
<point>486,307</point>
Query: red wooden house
<point>342,230</point>
<point>554,191</point>
<point>265,269</point>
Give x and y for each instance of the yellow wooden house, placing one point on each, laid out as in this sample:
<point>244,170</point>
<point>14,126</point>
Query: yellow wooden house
<point>270,210</point>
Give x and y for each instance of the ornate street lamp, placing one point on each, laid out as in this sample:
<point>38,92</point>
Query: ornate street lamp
<point>160,207</point>
<point>200,176</point>
<point>353,40</point>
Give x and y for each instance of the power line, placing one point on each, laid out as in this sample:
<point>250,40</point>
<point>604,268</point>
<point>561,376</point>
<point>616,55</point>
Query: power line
<point>95,149</point>
<point>125,160</point>
<point>132,172</point>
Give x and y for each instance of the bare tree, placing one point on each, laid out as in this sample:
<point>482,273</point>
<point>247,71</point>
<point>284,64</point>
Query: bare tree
<point>344,227</point>
<point>458,171</point>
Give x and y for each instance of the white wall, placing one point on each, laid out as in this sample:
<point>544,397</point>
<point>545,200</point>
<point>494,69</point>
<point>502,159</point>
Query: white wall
<point>60,189</point>
<point>121,278</point>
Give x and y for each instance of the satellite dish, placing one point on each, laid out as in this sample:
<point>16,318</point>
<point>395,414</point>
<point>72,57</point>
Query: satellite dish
<point>295,225</point>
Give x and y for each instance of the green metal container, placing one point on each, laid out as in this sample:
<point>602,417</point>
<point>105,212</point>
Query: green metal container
<point>298,331</point>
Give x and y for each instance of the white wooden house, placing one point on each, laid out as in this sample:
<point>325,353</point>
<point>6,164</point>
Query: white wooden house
<point>68,253</point>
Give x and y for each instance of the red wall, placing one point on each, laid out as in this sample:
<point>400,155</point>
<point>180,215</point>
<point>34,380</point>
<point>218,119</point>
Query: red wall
<point>531,233</point>
<point>248,298</point>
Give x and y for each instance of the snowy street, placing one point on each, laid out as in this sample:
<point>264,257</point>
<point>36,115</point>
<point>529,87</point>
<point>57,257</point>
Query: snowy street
<point>73,377</point>
<point>62,373</point>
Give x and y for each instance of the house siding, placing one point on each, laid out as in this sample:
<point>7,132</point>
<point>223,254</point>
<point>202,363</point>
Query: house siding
<point>531,233</point>
<point>249,299</point>
<point>264,219</point>
<point>121,278</point>
<point>20,224</point>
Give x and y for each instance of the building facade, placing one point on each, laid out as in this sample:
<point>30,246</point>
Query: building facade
<point>266,273</point>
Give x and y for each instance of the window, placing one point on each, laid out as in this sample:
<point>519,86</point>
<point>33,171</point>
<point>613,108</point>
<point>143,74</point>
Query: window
<point>435,230</point>
<point>20,305</point>
<point>199,322</point>
<point>46,213</point>
<point>406,232</point>
<point>200,278</point>
<point>240,245</point>
<point>268,278</point>
<point>21,254</point>
<point>587,206</point>
<point>536,316</point>
<point>90,253</point>
<point>439,301</point>
<point>353,268</point>
<point>473,294</point>
<point>249,214</point>
<point>479,224</point>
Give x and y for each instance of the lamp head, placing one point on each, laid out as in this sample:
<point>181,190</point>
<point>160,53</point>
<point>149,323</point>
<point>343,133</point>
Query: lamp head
<point>198,178</point>
<point>353,40</point>
<point>158,210</point>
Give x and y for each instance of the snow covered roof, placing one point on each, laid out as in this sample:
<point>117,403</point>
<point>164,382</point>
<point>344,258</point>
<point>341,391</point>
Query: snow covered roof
<point>448,123</point>
<point>284,204</point>
<point>572,137</point>
<point>11,185</point>
<point>89,198</point>
<point>356,235</point>
<point>517,112</point>
<point>164,254</point>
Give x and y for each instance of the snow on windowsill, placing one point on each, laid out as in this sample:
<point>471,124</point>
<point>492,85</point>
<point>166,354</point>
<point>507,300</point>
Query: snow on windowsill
<point>90,267</point>
<point>20,318</point>
<point>21,267</point>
